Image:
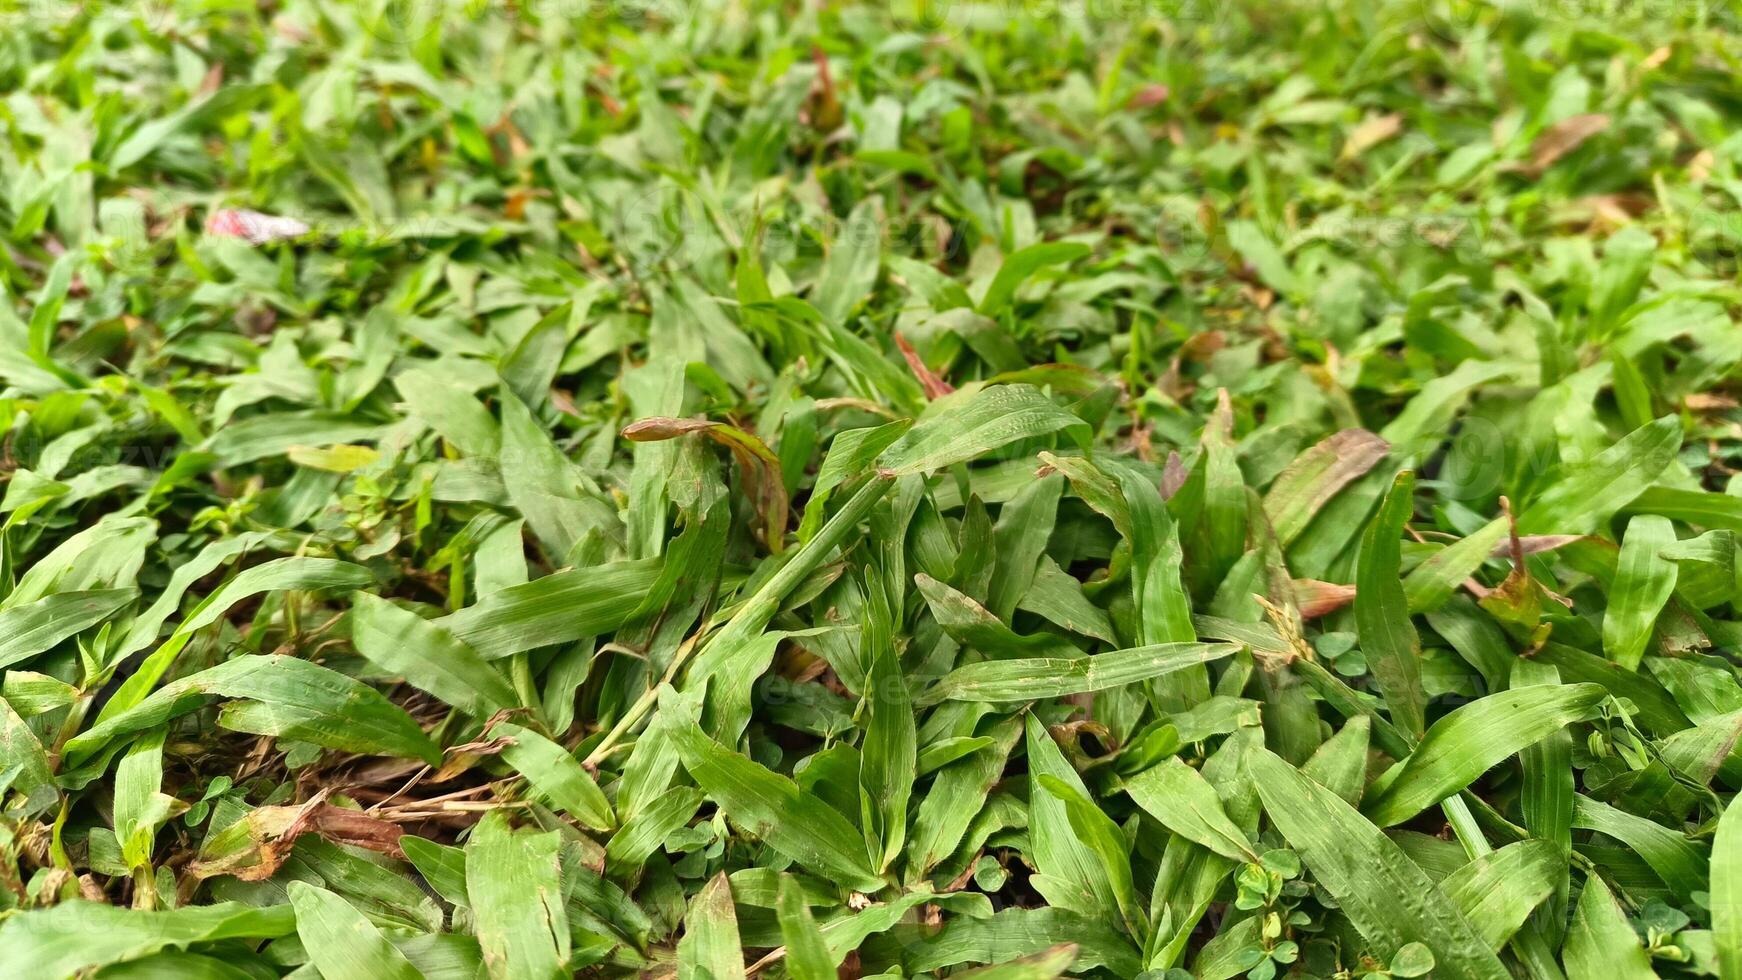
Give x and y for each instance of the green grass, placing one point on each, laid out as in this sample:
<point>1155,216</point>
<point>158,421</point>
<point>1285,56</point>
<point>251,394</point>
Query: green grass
<point>517,490</point>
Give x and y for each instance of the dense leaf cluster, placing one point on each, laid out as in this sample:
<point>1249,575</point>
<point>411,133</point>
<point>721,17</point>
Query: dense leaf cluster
<point>729,488</point>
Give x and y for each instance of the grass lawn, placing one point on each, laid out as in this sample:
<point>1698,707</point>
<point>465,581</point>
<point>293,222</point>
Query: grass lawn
<point>524,489</point>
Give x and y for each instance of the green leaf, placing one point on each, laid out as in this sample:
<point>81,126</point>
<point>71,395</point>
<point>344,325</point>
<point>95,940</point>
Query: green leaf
<point>1058,598</point>
<point>428,656</point>
<point>274,434</point>
<point>1680,864</point>
<point>1705,568</point>
<point>1588,494</point>
<point>442,867</point>
<point>343,944</point>
<point>1190,876</point>
<point>1157,566</point>
<point>771,807</point>
<point>807,955</point>
<point>140,805</point>
<point>1108,844</point>
<point>643,834</point>
<point>849,455</point>
<point>1498,890</point>
<point>1382,612</point>
<point>513,879</point>
<point>278,695</point>
<point>710,947</point>
<point>1423,423</point>
<point>1340,764</point>
<point>451,411</point>
<point>1072,873</point>
<point>555,773</point>
<point>1413,960</point>
<point>1175,794</point>
<point>106,555</point>
<point>29,629</point>
<point>850,272</point>
<point>543,486</point>
<point>529,368</point>
<point>559,608</point>
<point>1351,703</point>
<point>146,138</point>
<point>1019,265</point>
<point>145,627</point>
<point>1387,897</point>
<point>1223,521</point>
<point>1546,800</point>
<point>1248,239</point>
<point>1726,892</point>
<point>1020,931</point>
<point>1627,256</point>
<point>1037,678</point>
<point>889,750</point>
<point>1044,965</point>
<point>78,936</point>
<point>957,796</point>
<point>22,756</point>
<point>1698,507</point>
<point>1656,709</point>
<point>1600,942</point>
<point>845,934</point>
<point>1430,584</point>
<point>311,574</point>
<point>973,625</point>
<point>176,965</point>
<point>1229,953</point>
<point>973,422</point>
<point>1464,744</point>
<point>1644,581</point>
<point>1025,524</point>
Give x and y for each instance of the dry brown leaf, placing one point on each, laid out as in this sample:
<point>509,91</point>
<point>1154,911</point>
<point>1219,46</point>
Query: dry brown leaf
<point>1173,475</point>
<point>1148,96</point>
<point>1563,138</point>
<point>1370,133</point>
<point>1319,474</point>
<point>763,478</point>
<point>935,386</point>
<point>1709,401</point>
<point>253,848</point>
<point>253,227</point>
<point>1316,598</point>
<point>1700,166</point>
<point>1533,544</point>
